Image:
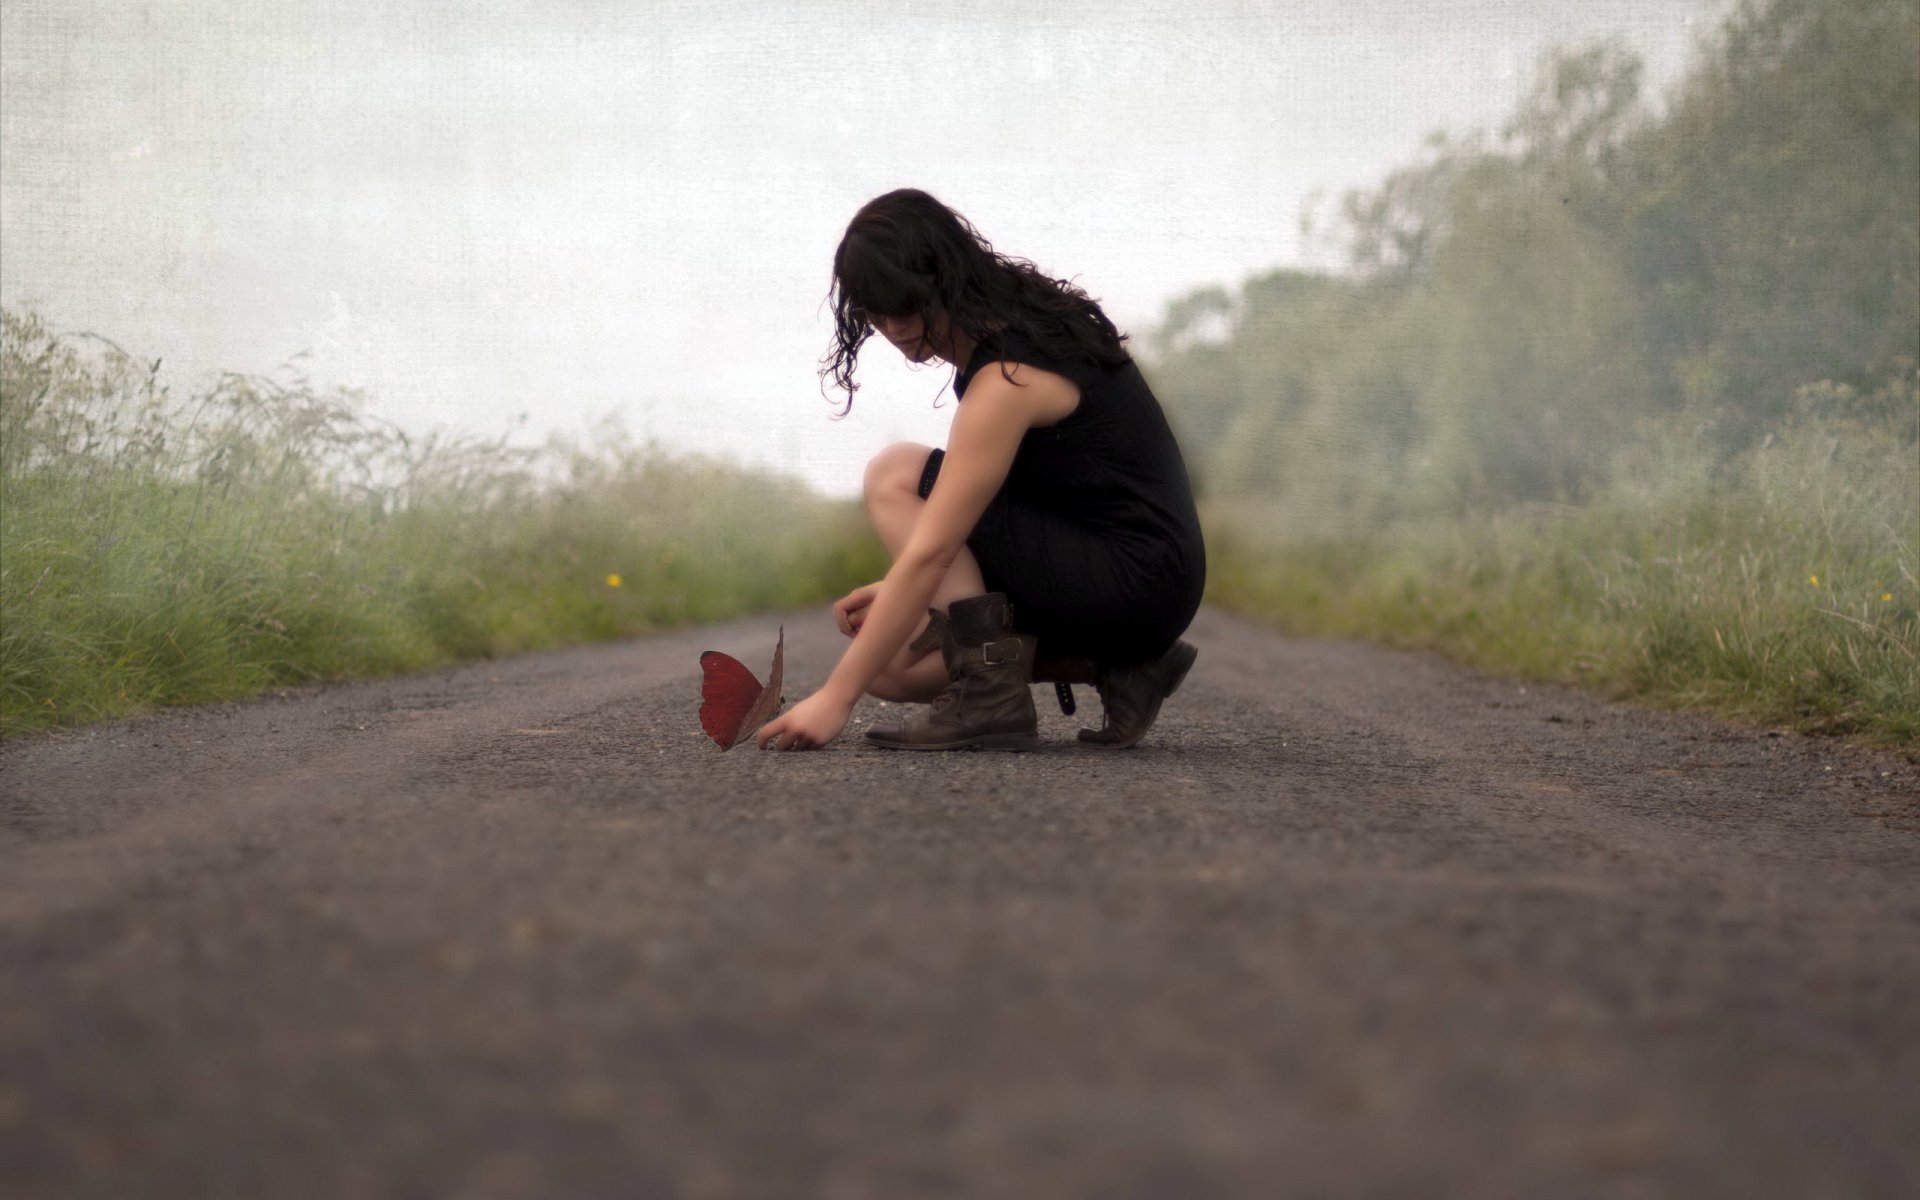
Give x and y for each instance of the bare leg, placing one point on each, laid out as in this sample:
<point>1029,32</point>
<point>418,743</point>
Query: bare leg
<point>894,506</point>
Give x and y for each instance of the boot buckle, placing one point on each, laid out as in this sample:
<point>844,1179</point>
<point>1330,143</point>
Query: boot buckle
<point>1001,652</point>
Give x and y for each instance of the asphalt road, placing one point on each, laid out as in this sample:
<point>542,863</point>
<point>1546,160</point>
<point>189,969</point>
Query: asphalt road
<point>1350,922</point>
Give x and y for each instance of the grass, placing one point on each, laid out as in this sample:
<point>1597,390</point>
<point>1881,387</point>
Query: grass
<point>160,550</point>
<point>1778,588</point>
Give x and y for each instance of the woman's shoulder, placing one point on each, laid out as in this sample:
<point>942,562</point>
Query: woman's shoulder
<point>1012,344</point>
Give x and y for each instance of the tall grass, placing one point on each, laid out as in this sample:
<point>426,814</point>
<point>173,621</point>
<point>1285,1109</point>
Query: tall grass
<point>1778,586</point>
<point>159,549</point>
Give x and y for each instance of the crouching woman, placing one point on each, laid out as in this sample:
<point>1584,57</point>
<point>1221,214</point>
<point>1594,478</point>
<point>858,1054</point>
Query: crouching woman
<point>1053,540</point>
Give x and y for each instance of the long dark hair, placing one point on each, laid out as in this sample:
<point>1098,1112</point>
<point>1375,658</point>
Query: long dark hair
<point>907,254</point>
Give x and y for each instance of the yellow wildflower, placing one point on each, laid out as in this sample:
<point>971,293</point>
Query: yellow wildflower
<point>1814,580</point>
<point>1886,597</point>
<point>613,581</point>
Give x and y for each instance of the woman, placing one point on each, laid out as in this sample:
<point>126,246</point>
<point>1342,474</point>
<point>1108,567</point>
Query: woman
<point>1054,538</point>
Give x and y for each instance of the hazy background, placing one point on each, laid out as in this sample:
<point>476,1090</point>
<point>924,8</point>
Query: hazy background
<point>565,210</point>
<point>1597,361</point>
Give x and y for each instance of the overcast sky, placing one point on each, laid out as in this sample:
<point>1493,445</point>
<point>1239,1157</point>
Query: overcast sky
<point>578,207</point>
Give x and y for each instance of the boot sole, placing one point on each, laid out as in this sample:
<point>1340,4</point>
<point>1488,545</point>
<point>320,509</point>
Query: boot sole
<point>984,741</point>
<point>1179,661</point>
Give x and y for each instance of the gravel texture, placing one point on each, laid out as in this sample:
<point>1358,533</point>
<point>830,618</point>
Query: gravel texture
<point>1349,922</point>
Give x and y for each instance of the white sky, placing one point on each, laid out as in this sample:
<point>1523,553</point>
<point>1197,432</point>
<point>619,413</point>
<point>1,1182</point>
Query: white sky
<point>570,208</point>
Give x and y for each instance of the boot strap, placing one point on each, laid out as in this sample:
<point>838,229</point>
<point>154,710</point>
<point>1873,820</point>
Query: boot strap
<point>996,653</point>
<point>1064,693</point>
<point>936,624</point>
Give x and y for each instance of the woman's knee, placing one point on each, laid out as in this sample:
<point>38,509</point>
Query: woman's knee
<point>894,470</point>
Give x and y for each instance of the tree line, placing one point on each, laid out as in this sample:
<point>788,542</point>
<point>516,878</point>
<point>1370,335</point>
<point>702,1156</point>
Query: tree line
<point>1523,309</point>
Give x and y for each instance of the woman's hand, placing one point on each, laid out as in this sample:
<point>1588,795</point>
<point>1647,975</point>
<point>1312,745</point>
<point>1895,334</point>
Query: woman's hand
<point>850,610</point>
<point>808,725</point>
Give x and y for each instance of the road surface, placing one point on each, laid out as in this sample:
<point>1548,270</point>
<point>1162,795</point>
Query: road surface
<point>1349,922</point>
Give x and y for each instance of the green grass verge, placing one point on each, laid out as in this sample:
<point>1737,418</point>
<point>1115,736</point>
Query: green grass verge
<point>142,593</point>
<point>161,552</point>
<point>1777,589</point>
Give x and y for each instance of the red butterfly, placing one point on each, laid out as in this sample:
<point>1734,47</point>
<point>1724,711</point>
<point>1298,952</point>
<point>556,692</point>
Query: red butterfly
<point>733,705</point>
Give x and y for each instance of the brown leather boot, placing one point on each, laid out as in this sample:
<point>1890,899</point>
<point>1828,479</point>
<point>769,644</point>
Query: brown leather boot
<point>987,704</point>
<point>1132,697</point>
<point>1058,669</point>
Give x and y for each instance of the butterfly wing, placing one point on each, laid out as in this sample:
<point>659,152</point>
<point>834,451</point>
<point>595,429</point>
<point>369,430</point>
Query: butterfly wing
<point>727,691</point>
<point>732,703</point>
<point>769,700</point>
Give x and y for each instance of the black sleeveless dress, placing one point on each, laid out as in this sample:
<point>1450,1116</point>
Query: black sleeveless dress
<point>1093,536</point>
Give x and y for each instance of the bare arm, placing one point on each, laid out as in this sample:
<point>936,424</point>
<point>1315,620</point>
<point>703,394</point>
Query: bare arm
<point>986,433</point>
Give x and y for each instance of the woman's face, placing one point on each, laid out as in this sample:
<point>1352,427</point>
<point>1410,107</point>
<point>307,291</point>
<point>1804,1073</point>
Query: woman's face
<point>909,336</point>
